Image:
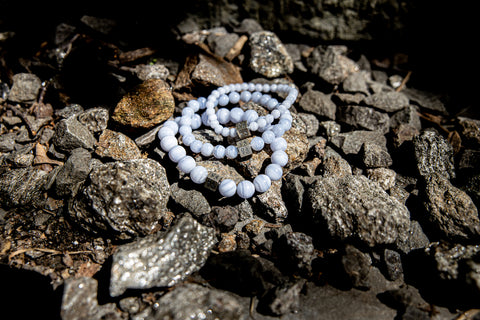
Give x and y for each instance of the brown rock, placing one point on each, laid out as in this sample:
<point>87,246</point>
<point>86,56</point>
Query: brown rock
<point>117,146</point>
<point>147,105</point>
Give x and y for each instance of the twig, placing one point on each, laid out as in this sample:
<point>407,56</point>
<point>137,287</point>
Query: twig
<point>404,81</point>
<point>236,49</point>
<point>19,113</point>
<point>46,250</point>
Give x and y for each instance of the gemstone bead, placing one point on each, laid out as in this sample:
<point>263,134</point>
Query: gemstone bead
<point>165,131</point>
<point>236,115</point>
<point>245,189</point>
<point>219,152</point>
<point>234,97</point>
<point>207,149</point>
<point>231,152</point>
<point>168,143</point>
<point>188,139</point>
<point>196,146</point>
<point>227,188</point>
<point>274,171</point>
<point>177,153</point>
<point>279,157</point>
<point>257,143</point>
<point>278,144</point>
<point>186,164</point>
<point>223,100</point>
<point>262,183</point>
<point>199,174</point>
<point>268,136</point>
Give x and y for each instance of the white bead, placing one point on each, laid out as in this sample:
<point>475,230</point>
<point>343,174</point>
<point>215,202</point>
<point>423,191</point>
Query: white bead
<point>184,130</point>
<point>236,115</point>
<point>262,183</point>
<point>245,189</point>
<point>177,153</point>
<point>218,129</point>
<point>234,97</point>
<point>278,130</point>
<point>199,174</point>
<point>186,164</point>
<point>250,116</point>
<point>251,86</point>
<point>223,100</point>
<point>188,139</point>
<point>201,101</point>
<point>276,114</point>
<point>245,96</point>
<point>194,104</point>
<point>257,143</point>
<point>196,122</point>
<point>253,126</point>
<point>258,87</point>
<point>231,152</point>
<point>256,96</point>
<point>268,136</point>
<point>223,115</point>
<point>227,188</point>
<point>271,104</point>
<point>279,157</point>
<point>165,131</point>
<point>274,171</point>
<point>168,143</point>
<point>196,146</point>
<point>278,144</point>
<point>225,132</point>
<point>219,152</point>
<point>265,99</point>
<point>261,123</point>
<point>172,125</point>
<point>207,149</point>
<point>185,121</point>
<point>187,111</point>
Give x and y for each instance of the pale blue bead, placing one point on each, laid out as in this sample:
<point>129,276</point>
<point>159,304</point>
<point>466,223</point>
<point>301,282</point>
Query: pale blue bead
<point>236,115</point>
<point>278,144</point>
<point>165,131</point>
<point>278,130</point>
<point>233,132</point>
<point>223,115</point>
<point>211,104</point>
<point>222,90</point>
<point>258,87</point>
<point>184,130</point>
<point>251,87</point>
<point>196,121</point>
<point>271,104</point>
<point>199,174</point>
<point>188,111</point>
<point>205,119</point>
<point>177,153</point>
<point>276,114</point>
<point>225,132</point>
<point>261,123</point>
<point>253,126</point>
<point>188,139</point>
<point>218,129</point>
<point>238,87</point>
<point>172,125</point>
<point>243,87</point>
<point>274,171</point>
<point>257,143</point>
<point>207,149</point>
<point>196,146</point>
<point>262,183</point>
<point>285,123</point>
<point>266,87</point>
<point>231,152</point>
<point>264,99</point>
<point>219,152</point>
<point>245,189</point>
<point>269,118</point>
<point>268,136</point>
<point>245,96</point>
<point>227,188</point>
<point>273,87</point>
<point>279,157</point>
<point>186,164</point>
<point>256,96</point>
<point>185,121</point>
<point>168,143</point>
<point>250,116</point>
<point>223,100</point>
<point>194,105</point>
<point>202,101</point>
<point>234,97</point>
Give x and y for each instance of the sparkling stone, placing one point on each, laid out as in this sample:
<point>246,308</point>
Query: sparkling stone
<point>257,143</point>
<point>227,188</point>
<point>244,149</point>
<point>213,181</point>
<point>186,164</point>
<point>274,171</point>
<point>262,183</point>
<point>199,174</point>
<point>245,189</point>
<point>242,130</point>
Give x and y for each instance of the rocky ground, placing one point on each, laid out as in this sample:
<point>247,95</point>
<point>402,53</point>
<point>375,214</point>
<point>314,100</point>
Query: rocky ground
<point>375,218</point>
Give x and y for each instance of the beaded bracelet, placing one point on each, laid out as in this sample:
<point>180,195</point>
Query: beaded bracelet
<point>246,121</point>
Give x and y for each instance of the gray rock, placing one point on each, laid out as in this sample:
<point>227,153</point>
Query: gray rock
<point>163,259</point>
<point>318,103</point>
<point>268,55</point>
<point>68,111</point>
<point>356,266</point>
<point>71,134</point>
<point>426,100</point>
<point>330,128</point>
<point>383,176</point>
<point>450,210</point>
<point>472,187</point>
<point>434,154</point>
<point>352,142</point>
<point>311,122</point>
<point>416,239</point>
<point>296,251</point>
<point>393,264</point>
<point>192,200</point>
<point>25,87</point>
<point>7,141</point>
<point>470,131</point>
<point>375,156</point>
<point>22,187</point>
<point>152,71</point>
<point>361,117</point>
<point>79,301</point>
<point>333,165</point>
<point>271,204</point>
<point>355,208</point>
<point>390,101</point>
<point>73,172</point>
<point>249,26</point>
<point>469,160</point>
<point>407,116</point>
<point>193,301</point>
<point>95,119</point>
<point>283,299</point>
<point>357,82</point>
<point>331,64</point>
<point>124,198</point>
<point>221,42</point>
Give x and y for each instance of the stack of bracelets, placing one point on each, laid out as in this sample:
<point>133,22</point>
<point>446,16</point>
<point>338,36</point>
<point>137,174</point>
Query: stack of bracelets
<point>272,127</point>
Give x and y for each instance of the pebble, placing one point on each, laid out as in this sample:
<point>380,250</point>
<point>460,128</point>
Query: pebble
<point>71,134</point>
<point>268,56</point>
<point>22,187</point>
<point>331,63</point>
<point>352,142</point>
<point>361,117</point>
<point>318,103</point>
<point>407,116</point>
<point>390,101</point>
<point>73,172</point>
<point>375,156</point>
<point>117,146</point>
<point>356,266</point>
<point>192,200</point>
<point>25,88</point>
<point>210,72</point>
<point>152,71</point>
<point>383,176</point>
<point>146,106</point>
<point>95,119</point>
<point>162,259</point>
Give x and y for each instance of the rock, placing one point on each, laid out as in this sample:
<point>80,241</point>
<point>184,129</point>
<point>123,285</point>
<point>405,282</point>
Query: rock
<point>352,142</point>
<point>383,176</point>
<point>426,100</point>
<point>375,156</point>
<point>7,142</point>
<point>331,64</point>
<point>95,119</point>
<point>472,187</point>
<point>148,105</point>
<point>407,116</point>
<point>356,266</point>
<point>283,299</point>
<point>393,264</point>
<point>334,165</point>
<point>79,301</point>
<point>389,101</point>
<point>249,26</point>
<point>361,117</point>
<point>450,210</point>
<point>162,259</point>
<point>193,301</point>
<point>221,169</point>
<point>355,208</point>
<point>416,239</point>
<point>470,131</point>
<point>433,154</point>
<point>296,252</point>
<point>311,122</point>
<point>221,42</point>
<point>318,103</point>
<point>73,172</point>
<point>22,187</point>
<point>152,71</point>
<point>271,204</point>
<point>268,55</point>
<point>330,128</point>
<point>117,146</point>
<point>71,134</point>
<point>403,133</point>
<point>25,87</point>
<point>68,111</point>
<point>357,82</point>
<point>469,160</point>
<point>297,143</point>
<point>192,200</point>
<point>223,218</point>
<point>125,199</point>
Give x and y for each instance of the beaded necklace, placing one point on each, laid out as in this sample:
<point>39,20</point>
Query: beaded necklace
<point>245,123</point>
